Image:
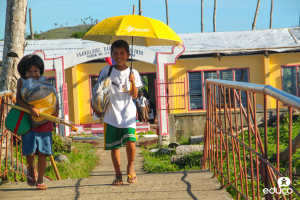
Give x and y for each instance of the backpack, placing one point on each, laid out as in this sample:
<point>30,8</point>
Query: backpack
<point>100,96</point>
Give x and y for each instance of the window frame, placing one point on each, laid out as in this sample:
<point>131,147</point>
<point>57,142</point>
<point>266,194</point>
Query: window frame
<point>90,89</point>
<point>202,82</point>
<point>297,78</point>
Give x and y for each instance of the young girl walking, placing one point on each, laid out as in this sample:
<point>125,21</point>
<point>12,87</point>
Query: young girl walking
<point>37,140</point>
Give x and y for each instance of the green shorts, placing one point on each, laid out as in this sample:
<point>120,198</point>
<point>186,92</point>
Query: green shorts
<point>114,137</point>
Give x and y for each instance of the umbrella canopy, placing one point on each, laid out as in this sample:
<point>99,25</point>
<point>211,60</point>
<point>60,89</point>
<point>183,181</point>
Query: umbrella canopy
<point>135,30</point>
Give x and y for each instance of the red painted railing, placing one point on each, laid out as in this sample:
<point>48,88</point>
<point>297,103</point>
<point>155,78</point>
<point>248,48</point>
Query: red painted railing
<point>238,155</point>
<point>9,143</point>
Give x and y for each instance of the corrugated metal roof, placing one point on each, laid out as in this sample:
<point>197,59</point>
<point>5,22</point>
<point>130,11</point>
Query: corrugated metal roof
<point>281,39</point>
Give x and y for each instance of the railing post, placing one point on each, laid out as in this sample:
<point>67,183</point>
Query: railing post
<point>206,133</point>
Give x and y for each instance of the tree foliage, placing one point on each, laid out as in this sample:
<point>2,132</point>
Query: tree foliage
<point>80,34</point>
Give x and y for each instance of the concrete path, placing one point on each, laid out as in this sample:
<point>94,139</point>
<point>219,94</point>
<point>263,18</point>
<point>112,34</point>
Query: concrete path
<point>176,185</point>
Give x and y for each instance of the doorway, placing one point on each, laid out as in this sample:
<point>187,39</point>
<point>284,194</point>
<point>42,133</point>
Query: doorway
<point>148,80</point>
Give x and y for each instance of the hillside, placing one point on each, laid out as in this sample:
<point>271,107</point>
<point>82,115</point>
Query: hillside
<point>62,33</point>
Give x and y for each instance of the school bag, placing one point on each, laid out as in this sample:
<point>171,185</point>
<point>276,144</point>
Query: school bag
<point>100,97</point>
<point>42,95</point>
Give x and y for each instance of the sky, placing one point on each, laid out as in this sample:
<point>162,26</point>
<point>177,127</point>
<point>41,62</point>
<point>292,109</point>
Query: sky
<point>184,15</point>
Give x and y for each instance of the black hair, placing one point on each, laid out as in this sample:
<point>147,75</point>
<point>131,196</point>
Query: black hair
<point>141,93</point>
<point>30,60</point>
<point>119,44</point>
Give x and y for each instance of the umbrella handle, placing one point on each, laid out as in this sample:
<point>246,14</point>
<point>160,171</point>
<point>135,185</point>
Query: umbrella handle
<point>129,90</point>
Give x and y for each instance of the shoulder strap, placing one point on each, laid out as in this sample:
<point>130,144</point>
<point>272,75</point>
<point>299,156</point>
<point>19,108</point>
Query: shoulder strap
<point>110,68</point>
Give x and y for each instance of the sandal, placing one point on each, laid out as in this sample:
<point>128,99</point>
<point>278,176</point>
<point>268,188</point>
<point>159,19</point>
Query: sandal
<point>41,186</point>
<point>117,182</point>
<point>132,179</point>
<point>31,181</point>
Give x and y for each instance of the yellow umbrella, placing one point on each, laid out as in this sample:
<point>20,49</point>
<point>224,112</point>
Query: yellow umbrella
<point>135,29</point>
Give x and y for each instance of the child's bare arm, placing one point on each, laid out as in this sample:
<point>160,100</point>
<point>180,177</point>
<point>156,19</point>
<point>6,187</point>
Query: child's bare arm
<point>146,105</point>
<point>134,91</point>
<point>33,111</point>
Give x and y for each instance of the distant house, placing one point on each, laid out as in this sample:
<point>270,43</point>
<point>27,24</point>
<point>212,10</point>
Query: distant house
<point>268,57</point>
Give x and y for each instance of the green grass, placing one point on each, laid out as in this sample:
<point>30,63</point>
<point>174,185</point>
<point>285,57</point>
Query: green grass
<point>61,32</point>
<point>146,133</point>
<point>78,165</point>
<point>159,162</point>
<point>284,129</point>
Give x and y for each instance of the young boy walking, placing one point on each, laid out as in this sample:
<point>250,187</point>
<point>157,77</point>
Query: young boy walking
<point>120,114</point>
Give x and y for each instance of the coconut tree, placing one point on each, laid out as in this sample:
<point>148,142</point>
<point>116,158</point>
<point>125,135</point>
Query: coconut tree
<point>202,16</point>
<point>140,7</point>
<point>13,49</point>
<point>255,16</point>
<point>271,13</point>
<point>215,11</point>
<point>167,12</point>
<point>55,24</point>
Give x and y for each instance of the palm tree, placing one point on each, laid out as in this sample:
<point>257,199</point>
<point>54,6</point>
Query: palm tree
<point>66,24</point>
<point>215,11</point>
<point>271,13</point>
<point>255,16</point>
<point>75,22</point>
<point>55,24</point>
<point>140,7</point>
<point>167,12</point>
<point>202,16</point>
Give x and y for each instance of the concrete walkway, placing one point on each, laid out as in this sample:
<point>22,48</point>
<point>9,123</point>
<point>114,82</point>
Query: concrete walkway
<point>176,185</point>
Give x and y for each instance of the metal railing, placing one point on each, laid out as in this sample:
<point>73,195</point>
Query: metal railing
<point>11,146</point>
<point>239,155</point>
<point>9,143</point>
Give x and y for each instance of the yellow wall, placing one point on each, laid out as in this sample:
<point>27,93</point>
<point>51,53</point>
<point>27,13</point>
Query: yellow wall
<point>49,73</point>
<point>276,62</point>
<point>254,63</point>
<point>262,70</point>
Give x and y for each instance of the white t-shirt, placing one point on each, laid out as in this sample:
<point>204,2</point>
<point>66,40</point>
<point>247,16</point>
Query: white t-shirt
<point>141,101</point>
<point>120,111</point>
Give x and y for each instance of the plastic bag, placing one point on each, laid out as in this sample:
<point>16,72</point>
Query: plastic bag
<point>100,97</point>
<point>42,95</point>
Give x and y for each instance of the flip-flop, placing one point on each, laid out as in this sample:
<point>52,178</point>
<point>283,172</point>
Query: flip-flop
<point>117,182</point>
<point>41,186</point>
<point>31,181</point>
<point>132,179</point>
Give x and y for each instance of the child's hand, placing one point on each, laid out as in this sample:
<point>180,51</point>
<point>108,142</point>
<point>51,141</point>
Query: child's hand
<point>131,77</point>
<point>34,111</point>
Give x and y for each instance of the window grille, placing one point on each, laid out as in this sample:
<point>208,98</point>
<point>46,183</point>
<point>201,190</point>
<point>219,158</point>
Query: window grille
<point>175,94</point>
<point>196,85</point>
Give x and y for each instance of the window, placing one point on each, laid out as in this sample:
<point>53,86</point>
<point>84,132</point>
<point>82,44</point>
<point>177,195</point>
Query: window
<point>195,88</point>
<point>290,80</point>
<point>196,81</point>
<point>94,80</point>
<point>52,80</point>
